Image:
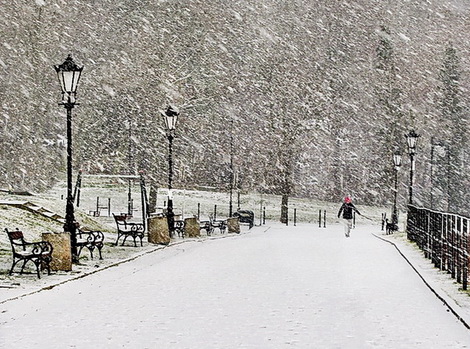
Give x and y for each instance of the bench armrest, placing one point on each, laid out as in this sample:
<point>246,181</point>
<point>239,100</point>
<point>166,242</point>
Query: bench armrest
<point>92,237</point>
<point>40,248</point>
<point>131,227</point>
<point>135,226</point>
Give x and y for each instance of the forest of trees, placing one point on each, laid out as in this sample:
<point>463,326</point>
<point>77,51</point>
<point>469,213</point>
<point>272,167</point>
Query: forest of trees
<point>315,97</point>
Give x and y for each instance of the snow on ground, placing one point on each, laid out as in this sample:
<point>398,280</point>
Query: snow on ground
<point>271,287</point>
<point>188,202</point>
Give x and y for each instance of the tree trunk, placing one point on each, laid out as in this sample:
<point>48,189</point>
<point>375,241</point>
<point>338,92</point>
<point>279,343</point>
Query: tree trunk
<point>285,209</point>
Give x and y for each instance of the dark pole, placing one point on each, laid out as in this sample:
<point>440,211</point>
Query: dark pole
<point>287,215</point>
<point>70,225</point>
<point>412,160</point>
<point>143,197</point>
<point>448,179</point>
<point>129,150</point>
<point>170,213</point>
<point>261,212</point>
<point>170,117</point>
<point>395,215</point>
<point>397,163</point>
<point>432,173</point>
<point>411,139</point>
<point>68,74</point>
<point>230,208</point>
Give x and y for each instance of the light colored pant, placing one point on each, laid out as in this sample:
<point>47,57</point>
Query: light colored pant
<point>347,226</point>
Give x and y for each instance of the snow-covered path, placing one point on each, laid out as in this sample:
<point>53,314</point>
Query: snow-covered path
<point>296,287</point>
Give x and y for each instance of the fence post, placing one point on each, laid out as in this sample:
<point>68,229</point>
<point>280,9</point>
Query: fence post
<point>261,212</point>
<point>441,243</point>
<point>426,235</point>
<point>459,250</point>
<point>324,218</point>
<point>319,218</point>
<point>295,217</point>
<point>264,215</point>
<point>453,247</point>
<point>445,246</point>
<point>198,210</point>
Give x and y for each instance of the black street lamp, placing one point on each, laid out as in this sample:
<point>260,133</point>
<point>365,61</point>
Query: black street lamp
<point>411,139</point>
<point>230,205</point>
<point>68,74</point>
<point>397,163</point>
<point>170,116</point>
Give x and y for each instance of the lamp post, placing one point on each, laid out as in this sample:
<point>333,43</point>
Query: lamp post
<point>230,205</point>
<point>68,74</point>
<point>411,139</point>
<point>397,163</point>
<point>170,115</point>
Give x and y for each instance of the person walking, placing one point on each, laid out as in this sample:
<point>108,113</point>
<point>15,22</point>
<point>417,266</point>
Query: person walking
<point>347,208</point>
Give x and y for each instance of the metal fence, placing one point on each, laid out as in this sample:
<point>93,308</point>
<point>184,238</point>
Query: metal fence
<point>444,239</point>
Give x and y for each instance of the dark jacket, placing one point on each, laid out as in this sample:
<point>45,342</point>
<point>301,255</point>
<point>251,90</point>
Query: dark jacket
<point>347,209</point>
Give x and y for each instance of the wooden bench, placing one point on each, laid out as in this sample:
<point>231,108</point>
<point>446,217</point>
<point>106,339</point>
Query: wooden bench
<point>126,229</point>
<point>90,240</point>
<point>39,253</point>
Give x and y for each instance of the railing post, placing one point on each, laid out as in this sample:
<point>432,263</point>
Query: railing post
<point>445,227</point>
<point>459,250</point>
<point>465,253</point>
<point>453,246</point>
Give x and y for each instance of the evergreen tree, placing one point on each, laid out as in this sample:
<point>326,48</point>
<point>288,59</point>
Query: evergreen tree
<point>390,128</point>
<point>453,115</point>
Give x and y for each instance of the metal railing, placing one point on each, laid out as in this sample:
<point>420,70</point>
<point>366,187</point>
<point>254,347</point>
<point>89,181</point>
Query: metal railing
<point>444,239</point>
